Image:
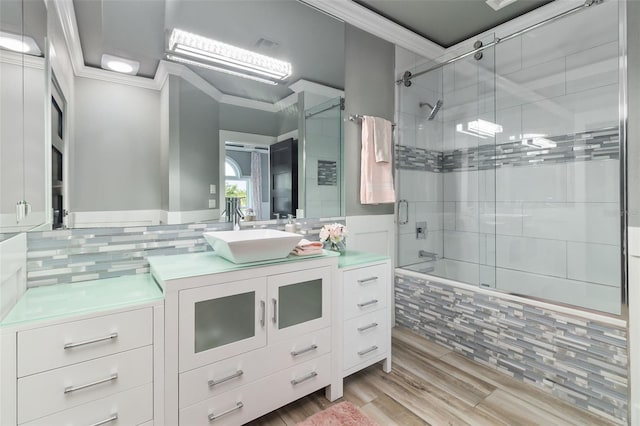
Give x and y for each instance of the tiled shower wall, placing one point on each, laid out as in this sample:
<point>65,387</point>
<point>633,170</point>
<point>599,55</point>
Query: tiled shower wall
<point>541,222</point>
<point>55,257</point>
<point>581,361</point>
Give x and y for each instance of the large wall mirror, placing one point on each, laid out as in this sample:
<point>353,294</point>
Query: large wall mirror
<point>23,115</point>
<point>160,109</point>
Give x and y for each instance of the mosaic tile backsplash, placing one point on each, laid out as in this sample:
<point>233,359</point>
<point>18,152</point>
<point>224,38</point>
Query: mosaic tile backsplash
<point>580,361</point>
<point>586,146</point>
<point>55,257</point>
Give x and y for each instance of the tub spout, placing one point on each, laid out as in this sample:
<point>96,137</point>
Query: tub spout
<point>422,254</point>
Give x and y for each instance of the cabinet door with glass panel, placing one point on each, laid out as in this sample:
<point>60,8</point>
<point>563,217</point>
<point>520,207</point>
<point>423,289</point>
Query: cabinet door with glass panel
<point>299,303</point>
<point>221,320</point>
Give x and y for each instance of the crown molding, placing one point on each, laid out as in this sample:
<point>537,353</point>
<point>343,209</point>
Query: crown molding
<point>303,85</point>
<point>20,59</point>
<point>248,103</point>
<point>67,17</point>
<point>363,18</point>
<point>283,103</point>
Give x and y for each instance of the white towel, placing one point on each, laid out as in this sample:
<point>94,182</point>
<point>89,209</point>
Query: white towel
<point>376,178</point>
<point>382,130</point>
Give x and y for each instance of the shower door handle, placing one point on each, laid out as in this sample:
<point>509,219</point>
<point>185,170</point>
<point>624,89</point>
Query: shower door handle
<point>402,203</point>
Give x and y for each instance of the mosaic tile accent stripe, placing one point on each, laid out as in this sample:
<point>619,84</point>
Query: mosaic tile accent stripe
<point>578,360</point>
<point>412,158</point>
<point>327,173</point>
<point>586,146</point>
<point>55,257</point>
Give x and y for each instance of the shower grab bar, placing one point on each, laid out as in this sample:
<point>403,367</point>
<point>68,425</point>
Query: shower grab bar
<point>404,203</point>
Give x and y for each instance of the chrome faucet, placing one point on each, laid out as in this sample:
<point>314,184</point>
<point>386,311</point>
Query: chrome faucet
<point>237,215</point>
<point>233,212</point>
<point>422,254</point>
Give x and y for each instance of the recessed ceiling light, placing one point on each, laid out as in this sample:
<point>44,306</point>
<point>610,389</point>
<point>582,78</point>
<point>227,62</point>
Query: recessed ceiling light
<point>499,4</point>
<point>19,43</point>
<point>114,63</point>
<point>213,54</point>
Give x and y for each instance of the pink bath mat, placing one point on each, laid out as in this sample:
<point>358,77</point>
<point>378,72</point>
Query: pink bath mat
<point>343,414</point>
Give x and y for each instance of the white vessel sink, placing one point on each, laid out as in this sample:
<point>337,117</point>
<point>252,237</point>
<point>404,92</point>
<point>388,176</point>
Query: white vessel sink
<point>252,245</point>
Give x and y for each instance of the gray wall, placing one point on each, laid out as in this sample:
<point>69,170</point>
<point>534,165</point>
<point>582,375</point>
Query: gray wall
<point>22,151</point>
<point>287,119</point>
<point>633,139</point>
<point>369,89</point>
<point>116,147</point>
<point>164,146</point>
<point>193,146</point>
<point>247,120</point>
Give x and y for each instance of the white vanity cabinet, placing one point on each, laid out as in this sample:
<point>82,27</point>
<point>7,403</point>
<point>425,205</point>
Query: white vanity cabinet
<point>367,296</point>
<point>68,358</point>
<point>249,339</point>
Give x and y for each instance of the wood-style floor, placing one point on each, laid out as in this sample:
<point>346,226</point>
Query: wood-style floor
<point>430,385</point>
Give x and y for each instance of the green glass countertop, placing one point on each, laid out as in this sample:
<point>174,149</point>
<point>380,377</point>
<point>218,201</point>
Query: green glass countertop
<point>355,258</point>
<point>181,266</point>
<point>62,300</point>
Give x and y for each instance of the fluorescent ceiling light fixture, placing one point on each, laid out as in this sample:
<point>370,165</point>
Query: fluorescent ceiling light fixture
<point>214,68</point>
<point>212,54</point>
<point>537,140</point>
<point>114,63</point>
<point>499,4</point>
<point>19,43</point>
<point>479,128</point>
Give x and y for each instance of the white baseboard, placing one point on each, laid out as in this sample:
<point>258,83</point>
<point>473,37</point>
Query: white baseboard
<point>192,216</point>
<point>116,218</point>
<point>126,218</point>
<point>8,222</point>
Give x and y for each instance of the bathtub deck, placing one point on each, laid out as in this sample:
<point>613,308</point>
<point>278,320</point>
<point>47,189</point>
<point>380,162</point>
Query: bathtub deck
<point>430,385</point>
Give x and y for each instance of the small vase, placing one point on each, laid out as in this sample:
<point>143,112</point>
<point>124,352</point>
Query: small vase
<point>340,247</point>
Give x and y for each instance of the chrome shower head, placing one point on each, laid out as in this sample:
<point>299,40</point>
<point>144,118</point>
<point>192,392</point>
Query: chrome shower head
<point>434,108</point>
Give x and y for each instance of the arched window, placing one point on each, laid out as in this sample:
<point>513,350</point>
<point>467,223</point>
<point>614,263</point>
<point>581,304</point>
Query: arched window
<point>231,168</point>
<point>236,185</point>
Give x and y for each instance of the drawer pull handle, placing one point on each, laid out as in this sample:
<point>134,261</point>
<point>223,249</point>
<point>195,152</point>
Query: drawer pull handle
<point>274,318</point>
<point>111,378</point>
<point>213,383</point>
<point>366,280</point>
<point>263,315</point>
<point>366,351</point>
<point>90,341</point>
<point>370,302</point>
<point>304,351</point>
<point>367,327</point>
<point>105,421</point>
<point>304,379</point>
<point>238,406</point>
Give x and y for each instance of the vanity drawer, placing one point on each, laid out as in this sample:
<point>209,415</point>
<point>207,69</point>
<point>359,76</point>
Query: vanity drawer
<point>60,389</point>
<point>258,398</point>
<point>132,407</point>
<point>56,346</point>
<point>365,338</point>
<point>365,290</point>
<point>251,366</point>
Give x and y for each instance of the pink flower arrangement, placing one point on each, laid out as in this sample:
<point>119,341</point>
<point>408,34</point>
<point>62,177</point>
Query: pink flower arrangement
<point>333,233</point>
